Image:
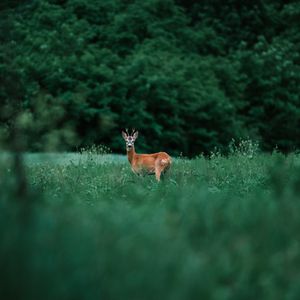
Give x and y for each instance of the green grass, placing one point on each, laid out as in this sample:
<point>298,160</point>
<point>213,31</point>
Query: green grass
<point>215,228</point>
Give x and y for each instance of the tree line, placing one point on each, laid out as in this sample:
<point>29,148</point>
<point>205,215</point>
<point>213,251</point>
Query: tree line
<point>191,76</point>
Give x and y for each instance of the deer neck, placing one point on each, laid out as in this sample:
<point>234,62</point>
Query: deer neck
<point>130,154</point>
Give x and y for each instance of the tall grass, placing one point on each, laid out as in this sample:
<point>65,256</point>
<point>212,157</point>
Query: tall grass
<point>215,228</point>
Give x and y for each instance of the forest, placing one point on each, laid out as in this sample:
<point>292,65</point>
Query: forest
<point>191,76</point>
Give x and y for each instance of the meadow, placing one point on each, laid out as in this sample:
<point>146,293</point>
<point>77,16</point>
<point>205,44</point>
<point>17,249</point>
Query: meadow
<point>217,227</point>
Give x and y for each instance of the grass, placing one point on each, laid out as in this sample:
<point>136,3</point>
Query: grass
<point>215,228</point>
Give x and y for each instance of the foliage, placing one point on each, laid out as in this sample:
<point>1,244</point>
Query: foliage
<point>273,92</point>
<point>189,75</point>
<point>216,228</point>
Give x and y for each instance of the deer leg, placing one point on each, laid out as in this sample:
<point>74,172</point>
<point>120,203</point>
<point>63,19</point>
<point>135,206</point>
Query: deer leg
<point>157,173</point>
<point>135,172</point>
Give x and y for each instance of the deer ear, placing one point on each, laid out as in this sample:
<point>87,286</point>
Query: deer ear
<point>124,135</point>
<point>135,135</point>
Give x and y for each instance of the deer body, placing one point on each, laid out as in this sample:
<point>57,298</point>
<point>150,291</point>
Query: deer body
<point>143,164</point>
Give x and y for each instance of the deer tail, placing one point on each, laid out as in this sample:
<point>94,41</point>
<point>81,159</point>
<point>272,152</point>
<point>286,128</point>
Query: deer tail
<point>165,161</point>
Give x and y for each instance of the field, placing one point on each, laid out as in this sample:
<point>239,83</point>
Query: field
<point>215,228</point>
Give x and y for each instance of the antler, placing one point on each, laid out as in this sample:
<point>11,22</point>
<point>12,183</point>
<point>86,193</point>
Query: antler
<point>133,132</point>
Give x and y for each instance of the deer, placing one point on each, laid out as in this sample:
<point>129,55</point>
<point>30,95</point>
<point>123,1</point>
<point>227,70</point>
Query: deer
<point>145,164</point>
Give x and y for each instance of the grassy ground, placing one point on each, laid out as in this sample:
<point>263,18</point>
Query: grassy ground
<point>215,228</point>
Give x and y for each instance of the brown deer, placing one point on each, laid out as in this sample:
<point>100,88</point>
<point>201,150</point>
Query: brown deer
<point>141,164</point>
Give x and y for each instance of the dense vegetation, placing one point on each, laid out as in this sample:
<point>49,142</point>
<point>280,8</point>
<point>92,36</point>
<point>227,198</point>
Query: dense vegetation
<point>191,75</point>
<point>217,228</point>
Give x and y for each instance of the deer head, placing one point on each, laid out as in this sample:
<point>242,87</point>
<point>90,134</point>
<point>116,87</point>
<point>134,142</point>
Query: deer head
<point>130,138</point>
